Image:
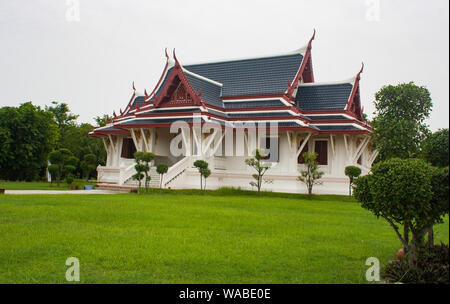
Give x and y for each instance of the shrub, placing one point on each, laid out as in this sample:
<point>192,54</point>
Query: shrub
<point>201,165</point>
<point>400,191</point>
<point>432,267</point>
<point>261,167</point>
<point>161,169</point>
<point>352,172</point>
<point>311,175</point>
<point>69,179</point>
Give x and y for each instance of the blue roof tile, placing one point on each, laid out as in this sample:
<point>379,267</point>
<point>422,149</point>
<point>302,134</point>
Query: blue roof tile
<point>256,76</point>
<point>323,97</point>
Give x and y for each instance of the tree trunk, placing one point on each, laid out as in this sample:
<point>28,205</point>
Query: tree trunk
<point>201,182</point>
<point>350,189</point>
<point>430,232</point>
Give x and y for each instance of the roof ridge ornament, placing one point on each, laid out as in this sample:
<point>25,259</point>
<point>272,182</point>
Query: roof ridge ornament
<point>167,55</point>
<point>134,88</point>
<point>175,56</point>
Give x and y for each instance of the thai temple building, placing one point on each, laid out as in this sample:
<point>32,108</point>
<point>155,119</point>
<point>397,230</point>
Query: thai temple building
<point>222,111</point>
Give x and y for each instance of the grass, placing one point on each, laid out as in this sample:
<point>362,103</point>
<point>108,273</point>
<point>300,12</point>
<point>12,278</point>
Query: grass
<point>10,185</point>
<point>184,236</point>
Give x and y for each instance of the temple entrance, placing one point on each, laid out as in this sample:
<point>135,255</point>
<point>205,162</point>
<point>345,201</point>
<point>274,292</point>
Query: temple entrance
<point>128,148</point>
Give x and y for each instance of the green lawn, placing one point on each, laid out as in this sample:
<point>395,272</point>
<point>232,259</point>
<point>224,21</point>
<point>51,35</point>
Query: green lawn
<point>8,185</point>
<point>191,238</point>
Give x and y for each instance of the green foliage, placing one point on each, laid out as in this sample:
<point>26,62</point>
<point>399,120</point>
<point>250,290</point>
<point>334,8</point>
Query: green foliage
<point>75,137</point>
<point>62,162</point>
<point>312,174</point>
<point>143,160</point>
<point>27,135</point>
<point>88,164</point>
<point>69,179</point>
<point>161,169</point>
<point>205,172</point>
<point>400,191</point>
<point>352,172</point>
<point>102,120</point>
<point>432,267</point>
<point>202,167</point>
<point>261,167</point>
<point>62,114</point>
<point>435,148</point>
<point>399,127</point>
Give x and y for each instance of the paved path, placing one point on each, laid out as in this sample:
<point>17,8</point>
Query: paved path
<point>63,192</point>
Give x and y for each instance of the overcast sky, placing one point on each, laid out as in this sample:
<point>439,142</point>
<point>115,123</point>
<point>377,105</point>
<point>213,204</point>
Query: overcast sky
<point>86,53</point>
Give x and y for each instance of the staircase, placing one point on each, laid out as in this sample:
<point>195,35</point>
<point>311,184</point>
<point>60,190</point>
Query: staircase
<point>154,181</point>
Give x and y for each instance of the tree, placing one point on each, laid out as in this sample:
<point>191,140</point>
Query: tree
<point>62,114</point>
<point>88,164</point>
<point>435,148</point>
<point>27,135</point>
<point>352,172</point>
<point>400,191</point>
<point>62,162</point>
<point>161,169</point>
<point>261,167</point>
<point>439,202</point>
<point>206,172</point>
<point>201,165</point>
<point>399,127</point>
<point>102,120</point>
<point>143,160</point>
<point>311,175</point>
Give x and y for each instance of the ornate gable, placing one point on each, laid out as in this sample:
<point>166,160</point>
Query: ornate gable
<point>177,91</point>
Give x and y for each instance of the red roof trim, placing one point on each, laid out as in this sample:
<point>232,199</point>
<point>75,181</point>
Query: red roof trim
<point>306,61</point>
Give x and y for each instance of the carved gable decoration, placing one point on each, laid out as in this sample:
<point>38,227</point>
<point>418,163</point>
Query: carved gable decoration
<point>177,91</point>
<point>180,96</point>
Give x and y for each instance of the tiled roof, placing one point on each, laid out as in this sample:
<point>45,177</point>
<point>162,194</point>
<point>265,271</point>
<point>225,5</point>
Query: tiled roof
<point>336,127</point>
<point>326,117</point>
<point>254,104</point>
<point>152,121</point>
<point>256,76</point>
<point>323,97</point>
<point>138,101</point>
<point>210,91</point>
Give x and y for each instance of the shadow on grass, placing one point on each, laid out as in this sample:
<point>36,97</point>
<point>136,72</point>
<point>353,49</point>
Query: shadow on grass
<point>231,191</point>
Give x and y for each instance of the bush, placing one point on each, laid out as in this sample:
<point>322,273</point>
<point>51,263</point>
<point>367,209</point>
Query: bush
<point>432,267</point>
<point>352,172</point>
<point>69,179</point>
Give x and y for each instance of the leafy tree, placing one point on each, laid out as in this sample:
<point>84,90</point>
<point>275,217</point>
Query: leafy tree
<point>62,114</point>
<point>400,191</point>
<point>439,201</point>
<point>88,164</point>
<point>311,175</point>
<point>62,162</point>
<point>102,120</point>
<point>161,169</point>
<point>201,165</point>
<point>398,124</point>
<point>27,135</point>
<point>435,148</point>
<point>69,179</point>
<point>143,160</point>
<point>139,176</point>
<point>205,172</point>
<point>352,172</point>
<point>257,162</point>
